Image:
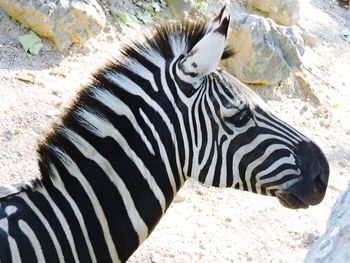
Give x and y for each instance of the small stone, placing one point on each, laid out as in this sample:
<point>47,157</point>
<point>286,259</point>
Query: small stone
<point>309,39</point>
<point>321,112</point>
<point>179,198</point>
<point>309,240</point>
<point>155,258</point>
<point>199,192</point>
<point>304,108</point>
<point>7,135</point>
<point>249,258</point>
<point>343,163</point>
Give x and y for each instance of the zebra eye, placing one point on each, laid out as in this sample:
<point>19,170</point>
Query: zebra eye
<point>240,118</point>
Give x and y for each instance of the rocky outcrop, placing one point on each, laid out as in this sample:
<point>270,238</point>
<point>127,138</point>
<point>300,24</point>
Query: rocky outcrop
<point>265,52</point>
<point>181,7</point>
<point>334,245</point>
<point>64,22</point>
<point>284,12</point>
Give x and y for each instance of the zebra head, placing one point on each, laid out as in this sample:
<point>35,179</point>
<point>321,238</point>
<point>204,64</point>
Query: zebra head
<point>236,140</point>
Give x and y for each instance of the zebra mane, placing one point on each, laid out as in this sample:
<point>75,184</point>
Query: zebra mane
<point>167,39</point>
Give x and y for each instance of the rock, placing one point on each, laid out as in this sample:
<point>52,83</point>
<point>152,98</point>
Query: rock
<point>181,7</point>
<point>284,12</point>
<point>309,39</point>
<point>343,163</point>
<point>179,198</point>
<point>64,22</point>
<point>334,245</point>
<point>309,240</point>
<point>265,52</point>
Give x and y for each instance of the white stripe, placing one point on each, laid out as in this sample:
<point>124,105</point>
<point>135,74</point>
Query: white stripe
<point>46,224</point>
<point>74,170</point>
<point>63,223</point>
<point>238,155</point>
<point>153,56</point>
<point>279,176</point>
<point>57,182</point>
<point>285,160</point>
<point>209,134</point>
<point>268,151</point>
<point>210,175</point>
<point>223,172</point>
<point>16,258</point>
<point>281,186</point>
<point>163,152</point>
<point>280,130</point>
<point>120,108</point>
<point>178,45</point>
<point>143,72</point>
<point>90,152</point>
<point>103,128</point>
<point>27,231</point>
<point>195,108</point>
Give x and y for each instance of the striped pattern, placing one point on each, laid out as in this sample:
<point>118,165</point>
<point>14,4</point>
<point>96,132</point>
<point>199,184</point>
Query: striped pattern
<point>111,168</point>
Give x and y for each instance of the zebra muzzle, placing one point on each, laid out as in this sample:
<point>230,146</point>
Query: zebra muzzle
<point>291,201</point>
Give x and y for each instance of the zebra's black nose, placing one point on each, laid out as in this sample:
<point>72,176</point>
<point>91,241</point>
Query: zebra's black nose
<point>314,168</point>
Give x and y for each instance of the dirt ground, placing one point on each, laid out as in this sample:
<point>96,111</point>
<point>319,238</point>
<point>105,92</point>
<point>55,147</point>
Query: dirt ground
<point>204,224</point>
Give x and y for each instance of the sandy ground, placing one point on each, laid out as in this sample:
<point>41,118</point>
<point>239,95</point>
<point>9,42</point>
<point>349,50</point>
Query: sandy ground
<point>204,224</point>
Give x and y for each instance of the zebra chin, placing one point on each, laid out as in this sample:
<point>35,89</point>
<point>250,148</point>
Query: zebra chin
<point>311,188</point>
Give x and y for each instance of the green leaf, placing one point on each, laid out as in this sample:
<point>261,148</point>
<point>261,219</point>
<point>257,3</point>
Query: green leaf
<point>127,19</point>
<point>202,5</point>
<point>31,43</point>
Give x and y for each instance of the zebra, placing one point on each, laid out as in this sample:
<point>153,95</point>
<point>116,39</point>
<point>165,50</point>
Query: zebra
<point>160,113</point>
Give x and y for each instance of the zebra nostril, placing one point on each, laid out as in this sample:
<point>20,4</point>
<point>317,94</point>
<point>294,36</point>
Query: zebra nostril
<point>320,182</point>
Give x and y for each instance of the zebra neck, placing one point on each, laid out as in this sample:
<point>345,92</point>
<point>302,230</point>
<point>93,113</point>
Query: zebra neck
<point>101,194</point>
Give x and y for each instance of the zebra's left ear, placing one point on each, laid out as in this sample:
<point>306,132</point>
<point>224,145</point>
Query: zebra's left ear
<point>205,55</point>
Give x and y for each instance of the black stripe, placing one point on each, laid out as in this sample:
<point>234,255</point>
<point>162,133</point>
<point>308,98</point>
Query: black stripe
<point>68,212</point>
<point>5,253</point>
<point>43,205</point>
<point>217,171</point>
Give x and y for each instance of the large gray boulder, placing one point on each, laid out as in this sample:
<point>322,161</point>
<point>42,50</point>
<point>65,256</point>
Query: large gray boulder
<point>334,245</point>
<point>265,52</point>
<point>284,12</point>
<point>64,22</point>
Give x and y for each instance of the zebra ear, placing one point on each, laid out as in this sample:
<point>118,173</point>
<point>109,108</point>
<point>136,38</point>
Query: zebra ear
<point>215,23</point>
<point>205,55</point>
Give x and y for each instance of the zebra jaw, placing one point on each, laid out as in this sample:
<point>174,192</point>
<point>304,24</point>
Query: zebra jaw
<point>289,200</point>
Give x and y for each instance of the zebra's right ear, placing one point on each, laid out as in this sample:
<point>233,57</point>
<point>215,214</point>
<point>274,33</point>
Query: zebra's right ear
<point>206,54</point>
